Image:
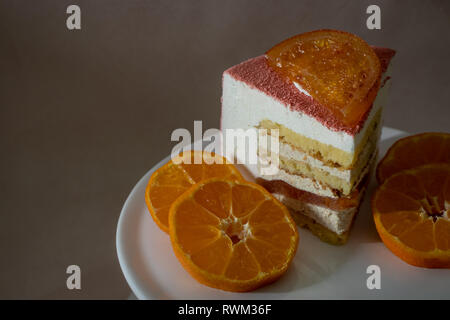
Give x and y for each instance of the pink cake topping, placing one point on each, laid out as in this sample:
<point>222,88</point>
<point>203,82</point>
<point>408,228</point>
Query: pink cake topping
<point>257,74</point>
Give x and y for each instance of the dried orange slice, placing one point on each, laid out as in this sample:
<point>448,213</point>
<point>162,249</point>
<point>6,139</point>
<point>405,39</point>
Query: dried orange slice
<point>232,235</point>
<point>414,151</point>
<point>411,210</point>
<point>170,181</point>
<point>338,69</point>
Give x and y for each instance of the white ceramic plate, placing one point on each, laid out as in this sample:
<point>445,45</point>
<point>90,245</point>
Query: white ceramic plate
<point>319,270</point>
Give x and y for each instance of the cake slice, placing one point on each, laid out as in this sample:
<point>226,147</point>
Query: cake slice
<point>328,139</point>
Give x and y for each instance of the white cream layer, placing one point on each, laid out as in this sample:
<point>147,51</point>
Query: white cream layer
<point>336,221</point>
<point>286,150</point>
<point>310,185</point>
<point>245,107</point>
<point>302,183</point>
<point>291,153</point>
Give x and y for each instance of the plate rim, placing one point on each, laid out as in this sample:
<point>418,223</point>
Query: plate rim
<point>120,243</point>
<point>126,270</point>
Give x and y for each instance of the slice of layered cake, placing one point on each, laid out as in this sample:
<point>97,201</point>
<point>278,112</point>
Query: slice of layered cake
<point>324,91</point>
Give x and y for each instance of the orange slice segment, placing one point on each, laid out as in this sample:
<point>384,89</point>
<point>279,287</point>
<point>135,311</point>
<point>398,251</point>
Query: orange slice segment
<point>338,69</point>
<point>411,210</point>
<point>232,234</point>
<point>414,151</point>
<point>171,180</point>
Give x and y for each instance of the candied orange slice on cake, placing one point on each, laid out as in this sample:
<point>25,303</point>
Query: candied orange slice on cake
<point>232,234</point>
<point>411,210</point>
<point>170,181</point>
<point>338,69</point>
<point>414,151</point>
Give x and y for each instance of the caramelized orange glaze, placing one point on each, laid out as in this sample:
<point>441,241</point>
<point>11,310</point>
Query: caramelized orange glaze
<point>338,69</point>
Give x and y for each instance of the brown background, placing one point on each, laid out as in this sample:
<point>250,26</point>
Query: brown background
<point>84,114</point>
